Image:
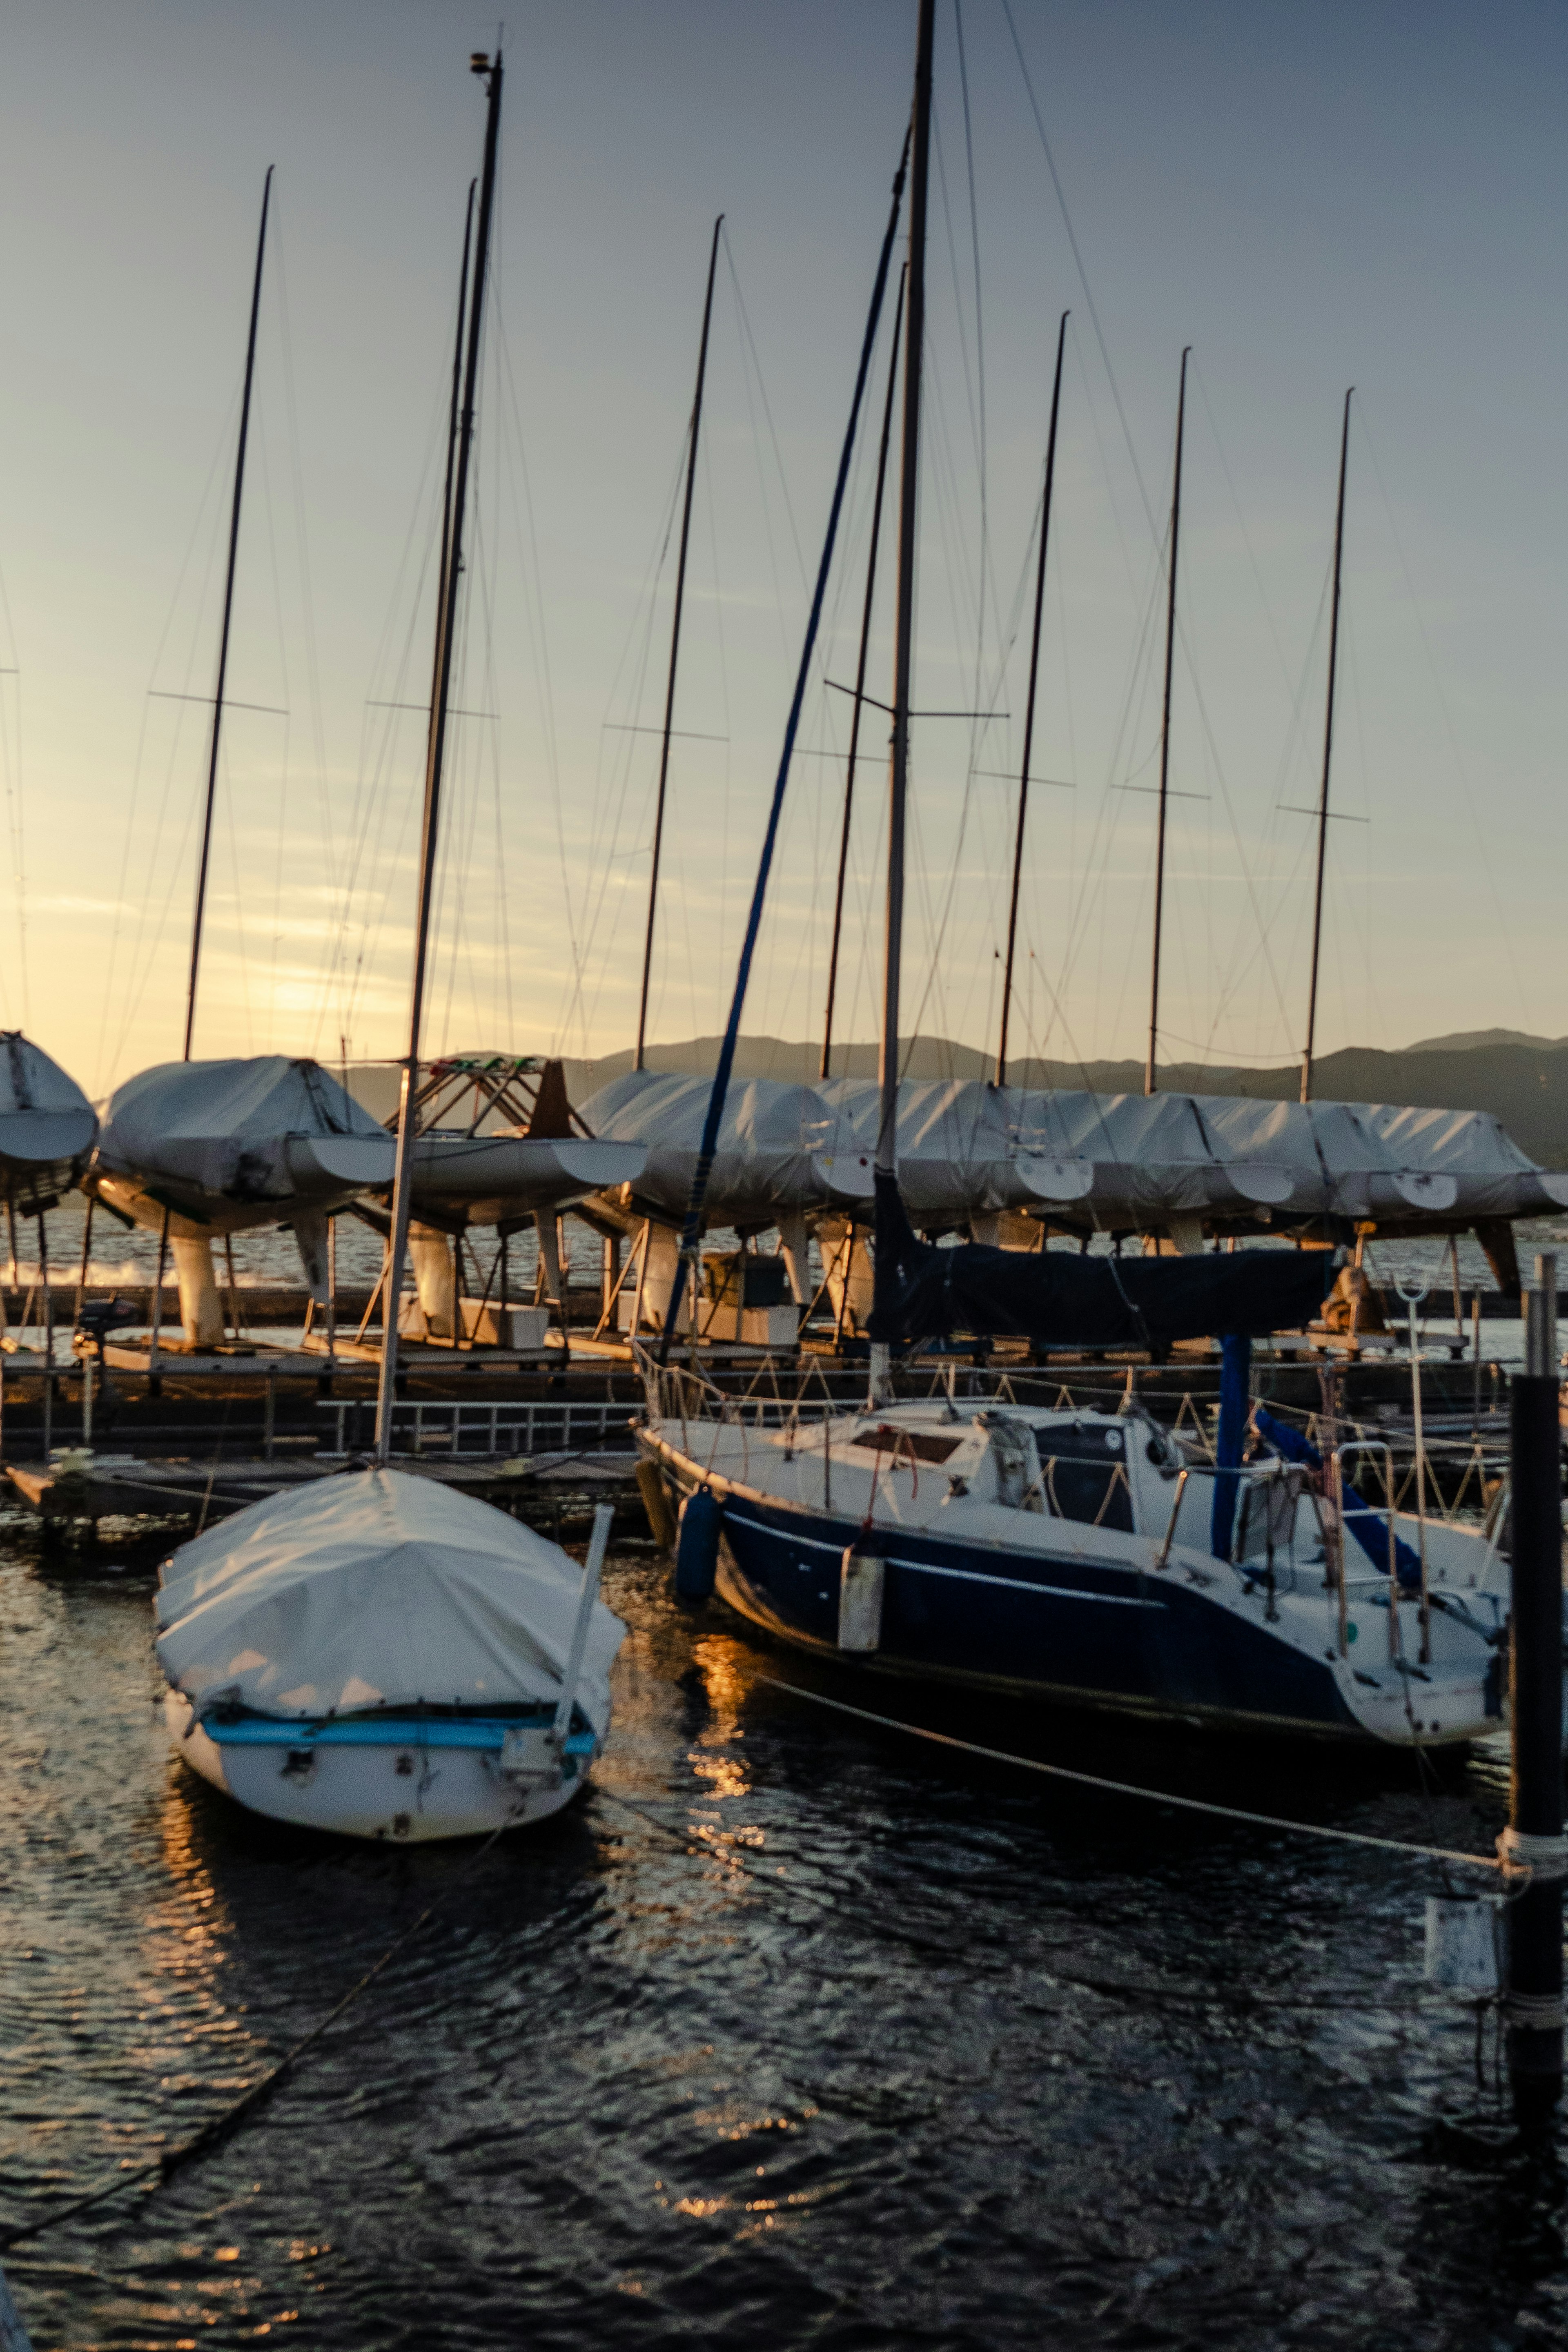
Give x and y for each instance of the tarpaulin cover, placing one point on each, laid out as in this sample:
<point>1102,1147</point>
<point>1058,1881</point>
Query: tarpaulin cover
<point>1056,1298</point>
<point>47,1123</point>
<point>777,1149</point>
<point>224,1127</point>
<point>373,1589</point>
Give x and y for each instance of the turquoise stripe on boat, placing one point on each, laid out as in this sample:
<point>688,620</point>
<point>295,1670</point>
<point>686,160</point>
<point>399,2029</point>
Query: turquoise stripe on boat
<point>386,1731</point>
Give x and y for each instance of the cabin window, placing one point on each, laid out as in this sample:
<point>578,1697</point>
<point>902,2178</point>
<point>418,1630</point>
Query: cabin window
<point>925,1445</point>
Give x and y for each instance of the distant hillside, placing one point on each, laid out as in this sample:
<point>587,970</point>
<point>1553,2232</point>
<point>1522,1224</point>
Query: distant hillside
<point>1524,1084</point>
<point>1465,1041</point>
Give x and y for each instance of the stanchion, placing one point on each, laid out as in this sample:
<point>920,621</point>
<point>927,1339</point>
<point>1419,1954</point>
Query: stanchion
<point>1532,2000</point>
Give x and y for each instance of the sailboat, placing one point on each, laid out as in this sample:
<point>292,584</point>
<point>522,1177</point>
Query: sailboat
<point>1061,1555</point>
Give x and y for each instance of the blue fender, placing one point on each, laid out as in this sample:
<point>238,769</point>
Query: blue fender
<point>697,1551</point>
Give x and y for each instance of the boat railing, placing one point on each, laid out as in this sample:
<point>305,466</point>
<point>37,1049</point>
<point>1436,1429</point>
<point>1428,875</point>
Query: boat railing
<point>1244,1473</point>
<point>1362,1446</point>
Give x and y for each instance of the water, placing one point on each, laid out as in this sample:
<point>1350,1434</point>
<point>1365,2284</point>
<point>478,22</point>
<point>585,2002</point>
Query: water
<point>879,2049</point>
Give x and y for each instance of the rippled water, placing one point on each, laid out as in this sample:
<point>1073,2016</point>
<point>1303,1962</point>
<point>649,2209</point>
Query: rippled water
<point>880,2049</point>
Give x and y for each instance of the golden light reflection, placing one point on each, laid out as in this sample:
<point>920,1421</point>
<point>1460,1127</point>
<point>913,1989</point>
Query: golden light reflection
<point>726,1776</point>
<point>718,1662</point>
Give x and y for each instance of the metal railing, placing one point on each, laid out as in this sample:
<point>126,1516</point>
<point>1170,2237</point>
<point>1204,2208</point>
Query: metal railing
<point>1363,1445</point>
<point>479,1431</point>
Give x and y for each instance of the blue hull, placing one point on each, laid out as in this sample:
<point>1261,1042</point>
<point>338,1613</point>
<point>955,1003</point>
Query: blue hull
<point>1063,1630</point>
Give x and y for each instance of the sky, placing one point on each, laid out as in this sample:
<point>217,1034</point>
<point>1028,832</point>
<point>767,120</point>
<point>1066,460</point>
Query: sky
<point>1311,196</point>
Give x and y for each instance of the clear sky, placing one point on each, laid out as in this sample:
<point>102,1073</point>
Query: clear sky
<point>1311,196</point>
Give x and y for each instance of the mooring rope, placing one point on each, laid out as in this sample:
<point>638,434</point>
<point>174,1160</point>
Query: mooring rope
<point>1153,1796</point>
<point>217,2128</point>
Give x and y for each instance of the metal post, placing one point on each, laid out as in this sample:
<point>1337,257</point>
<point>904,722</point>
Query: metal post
<point>49,1301</point>
<point>270,1421</point>
<point>460,439</point>
<point>692,432</point>
<point>157,1307</point>
<point>332,1295</point>
<point>1328,763</point>
<point>1029,707</point>
<point>1533,2003</point>
<point>587,1598</point>
<point>826,1068</point>
<point>1476,1343</point>
<point>881,1362</point>
<point>206,854</point>
<point>1150,1080</point>
<point>1412,1295</point>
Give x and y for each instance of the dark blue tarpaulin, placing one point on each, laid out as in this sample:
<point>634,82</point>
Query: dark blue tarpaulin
<point>1057,1299</point>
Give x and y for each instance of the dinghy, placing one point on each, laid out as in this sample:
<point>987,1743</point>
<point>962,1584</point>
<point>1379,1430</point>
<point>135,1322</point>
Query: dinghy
<point>377,1655</point>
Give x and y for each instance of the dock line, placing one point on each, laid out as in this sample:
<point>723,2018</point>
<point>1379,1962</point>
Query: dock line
<point>227,2119</point>
<point>1155,1796</point>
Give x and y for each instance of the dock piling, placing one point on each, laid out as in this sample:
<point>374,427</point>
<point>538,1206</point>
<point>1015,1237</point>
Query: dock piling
<point>1533,2002</point>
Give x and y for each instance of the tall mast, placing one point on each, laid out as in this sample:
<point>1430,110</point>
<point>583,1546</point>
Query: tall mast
<point>446,636</point>
<point>1165,737</point>
<point>205,858</point>
<point>1029,706</point>
<point>675,643</point>
<point>826,1070</point>
<point>1328,755</point>
<point>903,656</point>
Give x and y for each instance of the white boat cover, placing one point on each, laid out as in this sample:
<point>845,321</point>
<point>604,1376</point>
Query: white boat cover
<point>377,1588</point>
<point>46,1124</point>
<point>968,1150</point>
<point>1493,1177</point>
<point>264,1130</point>
<point>781,1148</point>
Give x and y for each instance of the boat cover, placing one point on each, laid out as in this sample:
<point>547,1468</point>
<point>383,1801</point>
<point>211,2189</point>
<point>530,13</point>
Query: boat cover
<point>46,1124</point>
<point>264,1129</point>
<point>781,1148</point>
<point>1059,1299</point>
<point>376,1589</point>
<point>967,1149</point>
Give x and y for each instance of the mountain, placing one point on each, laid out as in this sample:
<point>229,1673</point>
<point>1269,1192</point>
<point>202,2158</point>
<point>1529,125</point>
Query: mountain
<point>1522,1081</point>
<point>1467,1041</point>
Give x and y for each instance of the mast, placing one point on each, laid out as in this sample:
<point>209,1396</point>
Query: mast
<point>205,858</point>
<point>446,636</point>
<point>860,684</point>
<point>1029,706</point>
<point>903,657</point>
<point>1165,736</point>
<point>1328,755</point>
<point>675,643</point>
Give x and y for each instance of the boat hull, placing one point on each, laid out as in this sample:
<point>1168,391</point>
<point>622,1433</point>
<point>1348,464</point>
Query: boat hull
<point>1066,1631</point>
<point>400,1790</point>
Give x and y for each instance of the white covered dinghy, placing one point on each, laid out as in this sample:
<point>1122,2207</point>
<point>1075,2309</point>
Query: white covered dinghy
<point>375,1654</point>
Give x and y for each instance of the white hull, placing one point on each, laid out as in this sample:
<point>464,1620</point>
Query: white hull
<point>397,1791</point>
